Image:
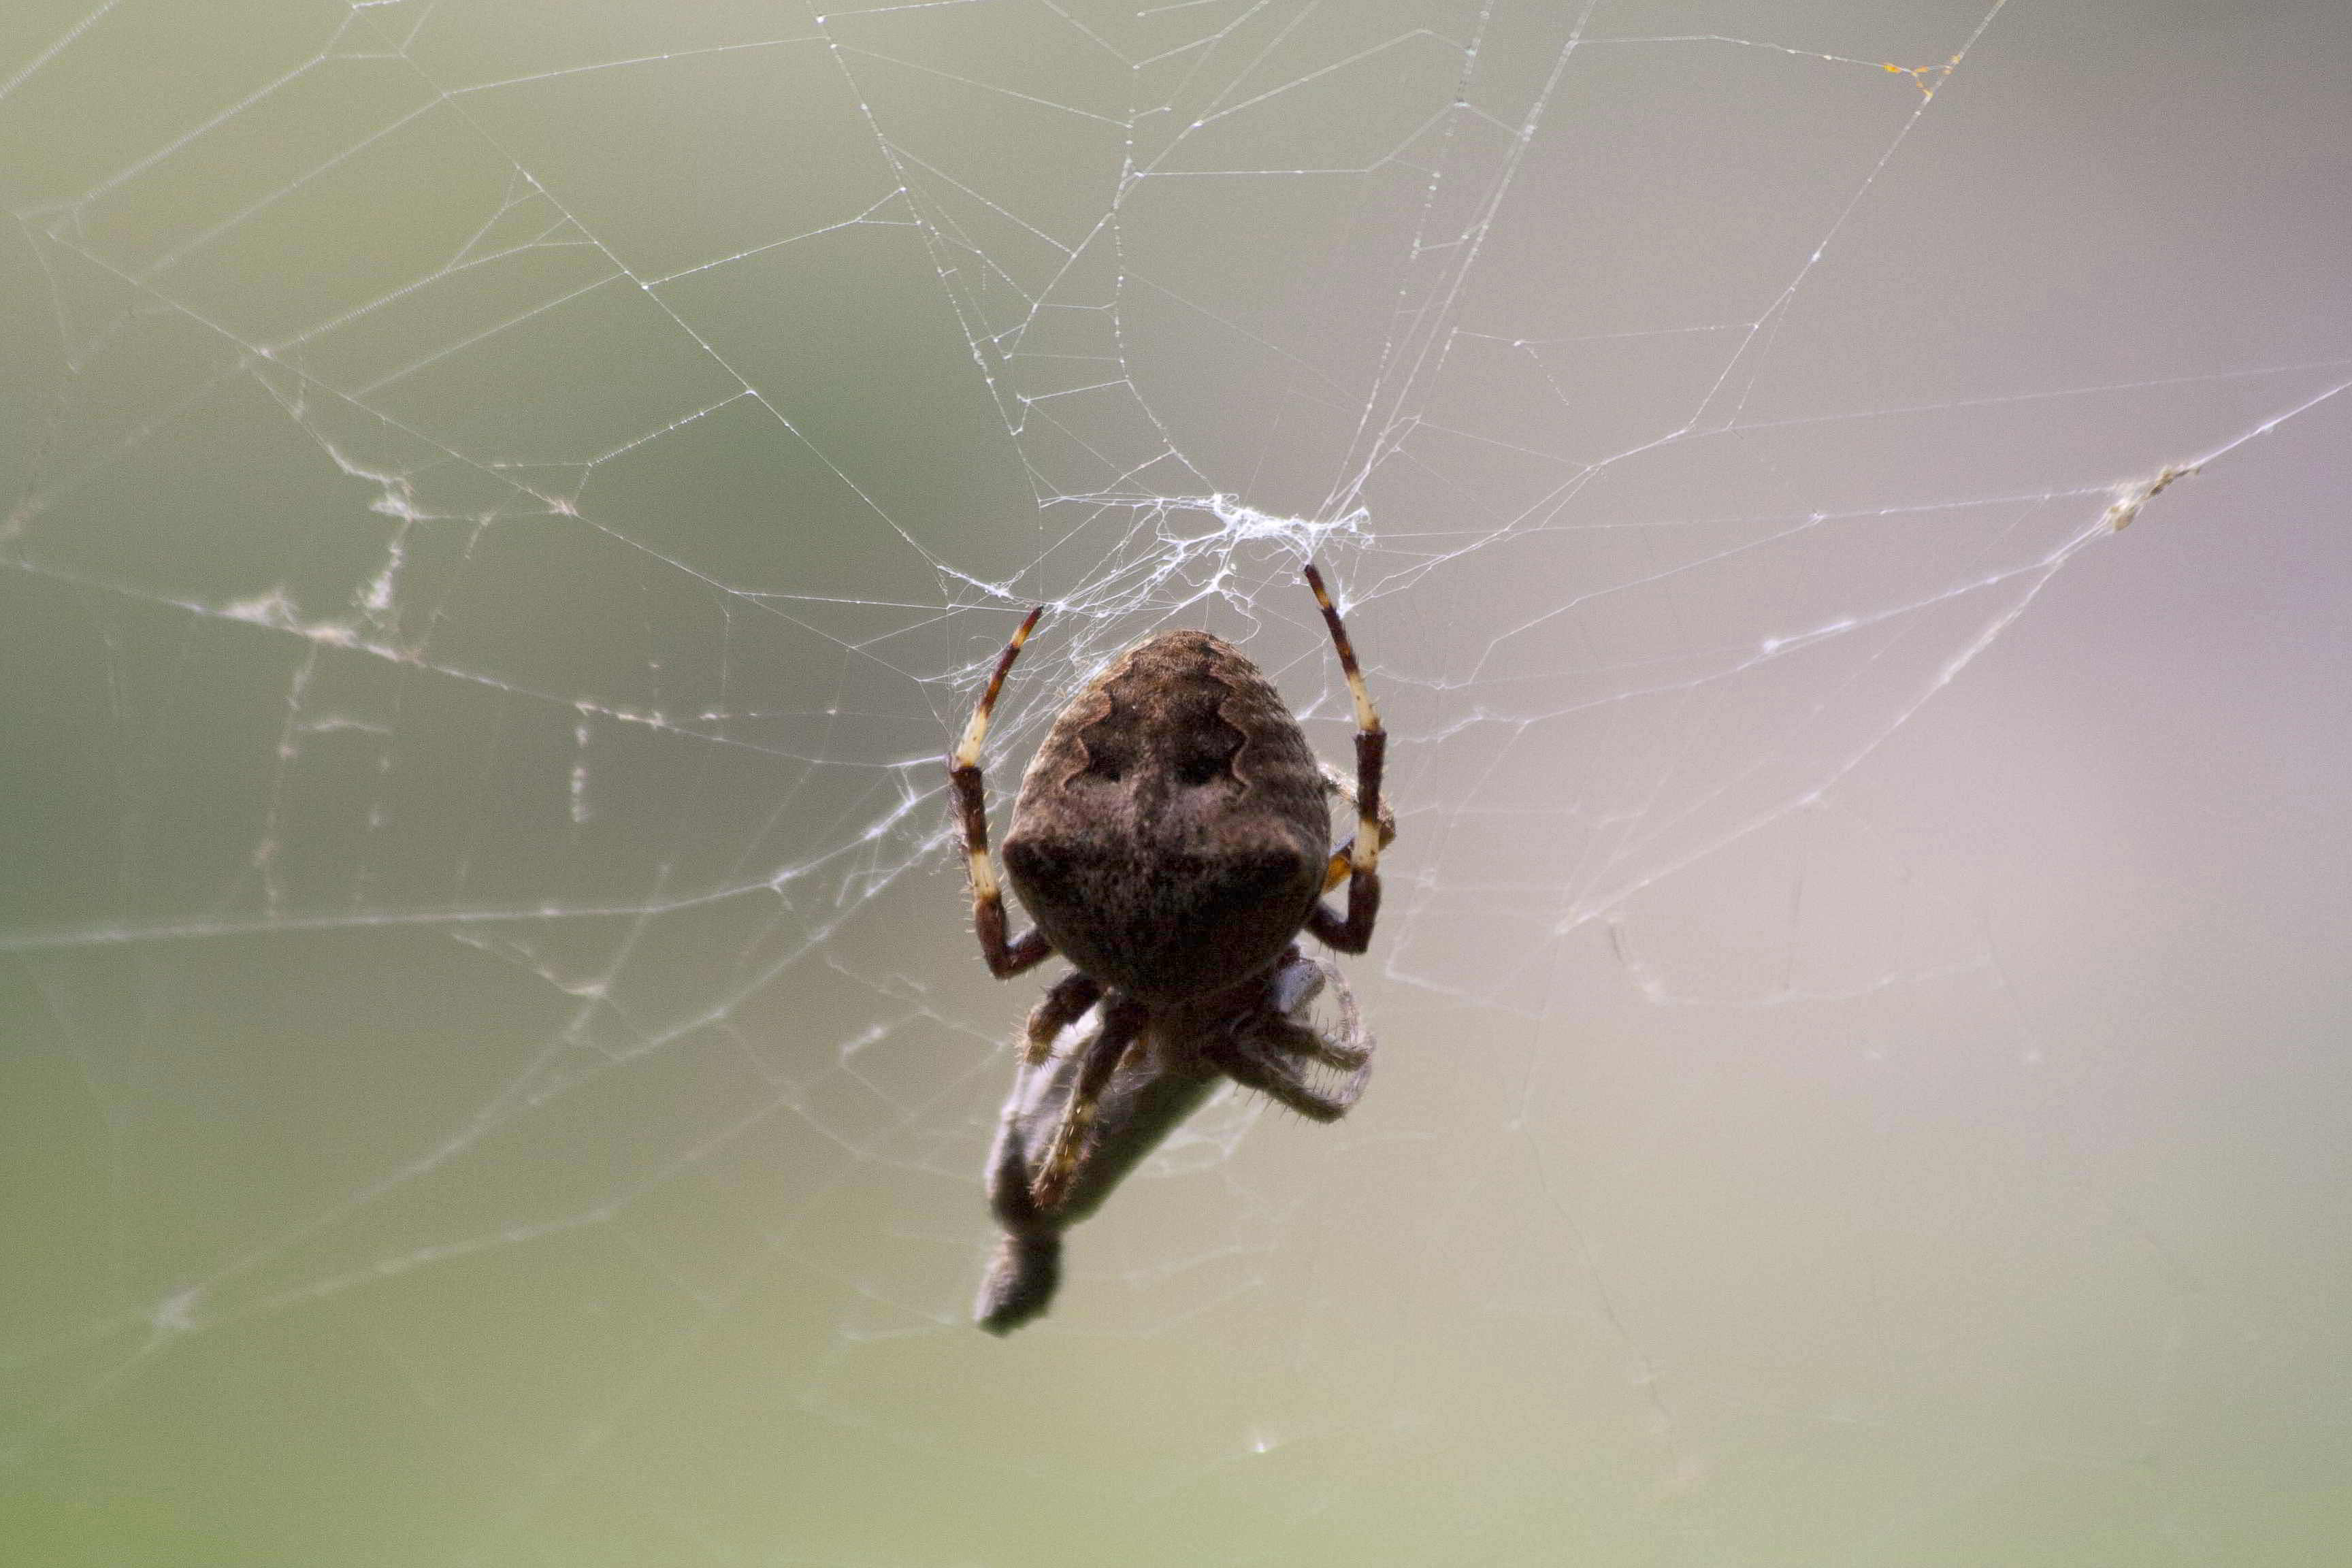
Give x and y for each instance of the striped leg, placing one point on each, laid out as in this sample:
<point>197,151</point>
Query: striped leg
<point>1005,959</point>
<point>1122,1025</point>
<point>1353,932</point>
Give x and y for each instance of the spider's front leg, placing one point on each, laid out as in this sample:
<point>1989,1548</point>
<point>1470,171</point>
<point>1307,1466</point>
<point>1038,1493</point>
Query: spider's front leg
<point>1005,959</point>
<point>1353,932</point>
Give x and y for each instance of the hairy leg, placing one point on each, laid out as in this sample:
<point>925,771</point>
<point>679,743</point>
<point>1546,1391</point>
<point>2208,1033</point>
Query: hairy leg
<point>1064,1006</point>
<point>1005,959</point>
<point>1122,1025</point>
<point>1352,932</point>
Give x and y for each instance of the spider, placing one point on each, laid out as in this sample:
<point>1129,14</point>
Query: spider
<point>1171,839</point>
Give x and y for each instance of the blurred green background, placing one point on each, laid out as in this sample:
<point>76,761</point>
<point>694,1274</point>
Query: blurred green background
<point>504,507</point>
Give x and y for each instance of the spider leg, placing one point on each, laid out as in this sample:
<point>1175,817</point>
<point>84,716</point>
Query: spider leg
<point>1344,856</point>
<point>1122,1025</point>
<point>1064,1006</point>
<point>1005,959</point>
<point>1297,981</point>
<point>1353,931</point>
<point>1352,1051</point>
<point>1255,1060</point>
<point>1263,1048</point>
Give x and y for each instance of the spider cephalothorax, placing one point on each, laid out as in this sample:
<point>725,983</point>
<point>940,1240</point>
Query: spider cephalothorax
<point>1172,840</point>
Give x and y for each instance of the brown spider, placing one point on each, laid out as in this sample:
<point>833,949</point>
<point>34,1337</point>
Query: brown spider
<point>1171,839</point>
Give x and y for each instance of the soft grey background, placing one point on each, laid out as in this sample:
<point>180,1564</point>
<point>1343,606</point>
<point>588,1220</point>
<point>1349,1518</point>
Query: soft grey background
<point>504,505</point>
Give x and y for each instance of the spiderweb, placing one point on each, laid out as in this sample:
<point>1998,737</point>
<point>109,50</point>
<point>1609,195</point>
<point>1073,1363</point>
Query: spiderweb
<point>505,507</point>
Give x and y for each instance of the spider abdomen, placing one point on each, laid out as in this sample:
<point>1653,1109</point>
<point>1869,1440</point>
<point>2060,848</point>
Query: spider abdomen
<point>1162,925</point>
<point>1170,837</point>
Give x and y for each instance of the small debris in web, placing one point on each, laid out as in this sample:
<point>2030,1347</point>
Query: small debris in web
<point>2131,498</point>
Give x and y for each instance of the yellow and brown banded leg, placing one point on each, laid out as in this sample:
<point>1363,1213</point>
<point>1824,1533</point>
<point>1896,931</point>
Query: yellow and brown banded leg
<point>1353,932</point>
<point>1343,858</point>
<point>1005,958</point>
